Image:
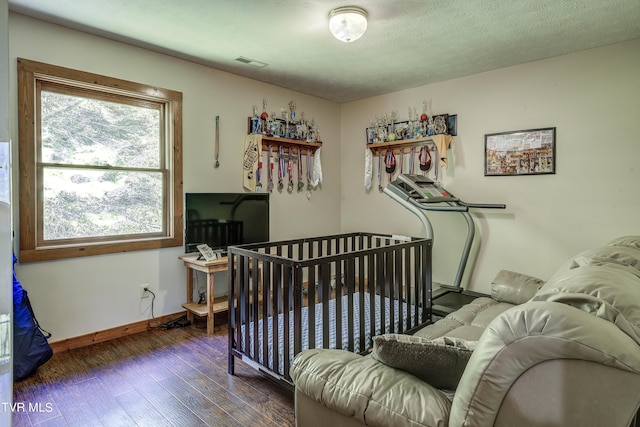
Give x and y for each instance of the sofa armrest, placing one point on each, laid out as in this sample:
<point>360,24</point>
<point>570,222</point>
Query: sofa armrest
<point>514,288</point>
<point>529,335</point>
<point>361,387</point>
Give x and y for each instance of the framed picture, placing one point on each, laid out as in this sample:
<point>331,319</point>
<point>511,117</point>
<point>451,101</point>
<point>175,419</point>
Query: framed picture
<point>522,152</point>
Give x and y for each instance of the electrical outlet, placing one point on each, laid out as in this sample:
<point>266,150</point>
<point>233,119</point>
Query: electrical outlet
<point>143,291</point>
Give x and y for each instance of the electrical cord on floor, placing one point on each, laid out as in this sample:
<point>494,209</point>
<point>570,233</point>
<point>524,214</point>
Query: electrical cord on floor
<point>176,323</point>
<point>153,317</point>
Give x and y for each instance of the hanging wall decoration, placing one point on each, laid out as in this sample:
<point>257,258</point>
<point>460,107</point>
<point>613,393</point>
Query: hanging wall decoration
<point>523,152</point>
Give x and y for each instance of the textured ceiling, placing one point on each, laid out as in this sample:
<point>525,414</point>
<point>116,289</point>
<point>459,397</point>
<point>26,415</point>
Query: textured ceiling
<point>408,43</point>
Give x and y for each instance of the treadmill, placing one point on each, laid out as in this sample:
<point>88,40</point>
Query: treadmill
<point>419,194</point>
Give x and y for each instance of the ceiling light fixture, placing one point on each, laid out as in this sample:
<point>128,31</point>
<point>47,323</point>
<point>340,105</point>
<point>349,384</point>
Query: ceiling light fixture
<point>348,23</point>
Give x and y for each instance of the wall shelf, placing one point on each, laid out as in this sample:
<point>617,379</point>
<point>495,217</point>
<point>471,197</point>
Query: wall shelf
<point>286,142</point>
<point>277,141</point>
<point>402,144</point>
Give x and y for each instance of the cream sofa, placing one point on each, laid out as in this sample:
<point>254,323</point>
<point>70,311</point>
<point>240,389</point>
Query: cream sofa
<point>561,353</point>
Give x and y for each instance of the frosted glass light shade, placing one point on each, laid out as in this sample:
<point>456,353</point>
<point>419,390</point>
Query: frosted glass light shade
<point>348,23</point>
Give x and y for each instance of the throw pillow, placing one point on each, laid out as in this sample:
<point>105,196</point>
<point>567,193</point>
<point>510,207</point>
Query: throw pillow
<point>439,362</point>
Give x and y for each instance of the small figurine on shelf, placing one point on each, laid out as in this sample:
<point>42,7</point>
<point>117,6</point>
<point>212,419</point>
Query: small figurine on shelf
<point>380,130</point>
<point>292,108</point>
<point>285,124</point>
<point>412,123</point>
<point>431,127</point>
<point>371,133</point>
<point>264,117</point>
<point>301,128</point>
<point>426,108</point>
<point>391,132</point>
<point>417,124</point>
<point>382,134</point>
<point>274,124</point>
<point>424,116</point>
<point>255,120</point>
<point>311,134</point>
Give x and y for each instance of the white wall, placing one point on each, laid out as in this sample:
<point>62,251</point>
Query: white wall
<point>84,295</point>
<point>591,97</point>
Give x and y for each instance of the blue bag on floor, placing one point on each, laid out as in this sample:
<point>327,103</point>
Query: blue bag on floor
<point>30,346</point>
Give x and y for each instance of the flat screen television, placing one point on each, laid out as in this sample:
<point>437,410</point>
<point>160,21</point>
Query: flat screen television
<point>225,219</point>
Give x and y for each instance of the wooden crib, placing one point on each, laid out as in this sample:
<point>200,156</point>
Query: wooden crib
<point>326,292</point>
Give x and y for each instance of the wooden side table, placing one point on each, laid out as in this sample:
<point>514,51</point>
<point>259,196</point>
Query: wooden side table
<point>217,305</point>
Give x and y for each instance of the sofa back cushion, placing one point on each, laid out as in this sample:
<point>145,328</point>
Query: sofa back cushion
<point>615,284</point>
<point>615,256</point>
<point>468,322</point>
<point>628,241</point>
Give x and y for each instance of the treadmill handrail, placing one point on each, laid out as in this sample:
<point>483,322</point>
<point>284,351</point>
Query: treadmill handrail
<point>483,205</point>
<point>436,207</point>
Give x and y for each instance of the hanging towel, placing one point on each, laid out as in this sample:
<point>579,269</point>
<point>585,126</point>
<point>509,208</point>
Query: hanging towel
<point>252,154</point>
<point>317,168</point>
<point>368,169</point>
<point>442,144</point>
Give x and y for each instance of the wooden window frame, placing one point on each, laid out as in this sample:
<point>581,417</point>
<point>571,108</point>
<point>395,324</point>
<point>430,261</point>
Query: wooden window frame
<point>32,248</point>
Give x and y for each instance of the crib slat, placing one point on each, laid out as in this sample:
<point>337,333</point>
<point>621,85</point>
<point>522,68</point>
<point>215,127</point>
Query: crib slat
<point>373,279</point>
<point>417,277</point>
<point>338,300</point>
<point>286,311</point>
<point>244,303</point>
<point>390,279</point>
<point>241,313</point>
<point>325,289</point>
<point>297,310</point>
<point>426,298</point>
<point>400,284</point>
<point>426,285</point>
<point>262,302</point>
<point>361,291</point>
<point>279,285</point>
<point>311,312</point>
<point>381,291</point>
<point>407,287</point>
<point>275,314</point>
<point>252,300</point>
<point>233,316</point>
<point>350,280</point>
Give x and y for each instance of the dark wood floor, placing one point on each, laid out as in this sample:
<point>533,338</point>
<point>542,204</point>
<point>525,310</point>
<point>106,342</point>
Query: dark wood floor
<point>176,377</point>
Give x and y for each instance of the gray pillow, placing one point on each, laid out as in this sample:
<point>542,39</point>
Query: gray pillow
<point>439,362</point>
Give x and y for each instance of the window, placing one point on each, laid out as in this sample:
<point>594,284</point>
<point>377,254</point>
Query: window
<point>100,164</point>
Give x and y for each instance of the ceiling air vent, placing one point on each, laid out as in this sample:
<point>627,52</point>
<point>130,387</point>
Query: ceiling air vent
<point>253,62</point>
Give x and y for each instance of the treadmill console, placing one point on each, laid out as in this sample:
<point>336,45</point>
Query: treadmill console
<point>422,189</point>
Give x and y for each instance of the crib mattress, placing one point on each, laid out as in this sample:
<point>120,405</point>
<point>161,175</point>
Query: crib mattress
<point>247,333</point>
